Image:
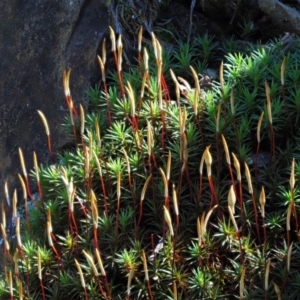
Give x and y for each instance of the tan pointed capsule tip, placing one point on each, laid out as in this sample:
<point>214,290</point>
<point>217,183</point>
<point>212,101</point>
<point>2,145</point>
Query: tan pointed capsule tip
<point>66,82</point>
<point>267,274</point>
<point>231,199</point>
<point>166,193</point>
<point>82,119</point>
<point>176,209</point>
<point>130,277</point>
<point>182,120</point>
<point>199,231</point>
<point>97,163</point>
<point>39,265</point>
<point>208,216</point>
<point>196,79</point>
<point>146,60</point>
<point>127,160</point>
<point>184,149</point>
<point>237,167</point>
<point>140,37</point>
<point>142,91</point>
<point>49,218</point>
<point>169,165</point>
<point>94,211</point>
<point>202,227</point>
<point>99,260</point>
<point>145,187</point>
<point>119,185</point>
<point>120,60</point>
<point>21,290</point>
<point>248,176</point>
<point>196,91</point>
<point>276,288</point>
<point>64,178</point>
<point>226,150</point>
<point>292,177</point>
<point>269,109</point>
<point>11,284</point>
<point>221,76</point>
<point>120,43</point>
<point>18,233</point>
<point>6,193</point>
<point>202,163</point>
<point>23,186</point>
<point>101,64</point>
<point>267,88</point>
<point>186,86</point>
<point>262,201</point>
<point>71,108</point>
<point>71,200</point>
<point>208,161</point>
<point>104,51</point>
<point>98,133</point>
<point>150,140</point>
<point>154,44</point>
<point>130,93</point>
<point>22,162</point>
<point>259,126</point>
<point>208,157</point>
<point>16,256</point>
<point>49,229</point>
<point>112,38</point>
<point>168,220</point>
<point>36,167</point>
<point>44,122</point>
<point>15,202</point>
<point>6,243</point>
<point>144,259</point>
<point>174,77</point>
<point>91,262</point>
<point>289,256</point>
<point>3,215</point>
<point>80,273</point>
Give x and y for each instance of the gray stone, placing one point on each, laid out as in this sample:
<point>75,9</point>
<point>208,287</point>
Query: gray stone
<point>38,40</point>
<point>283,16</point>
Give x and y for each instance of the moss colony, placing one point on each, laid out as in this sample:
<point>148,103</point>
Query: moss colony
<point>174,187</point>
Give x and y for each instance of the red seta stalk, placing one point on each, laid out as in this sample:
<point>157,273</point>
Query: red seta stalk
<point>256,217</point>
<point>43,289</point>
<point>213,192</point>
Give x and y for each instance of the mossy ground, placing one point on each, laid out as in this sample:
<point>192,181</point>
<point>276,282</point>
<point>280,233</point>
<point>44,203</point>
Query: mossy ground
<point>138,207</point>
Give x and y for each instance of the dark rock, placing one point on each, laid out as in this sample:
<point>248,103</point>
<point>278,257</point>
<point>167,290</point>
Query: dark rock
<point>38,40</point>
<point>285,17</point>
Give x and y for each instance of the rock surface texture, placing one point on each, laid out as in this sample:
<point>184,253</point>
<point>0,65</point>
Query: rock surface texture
<point>38,40</point>
<point>282,15</point>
